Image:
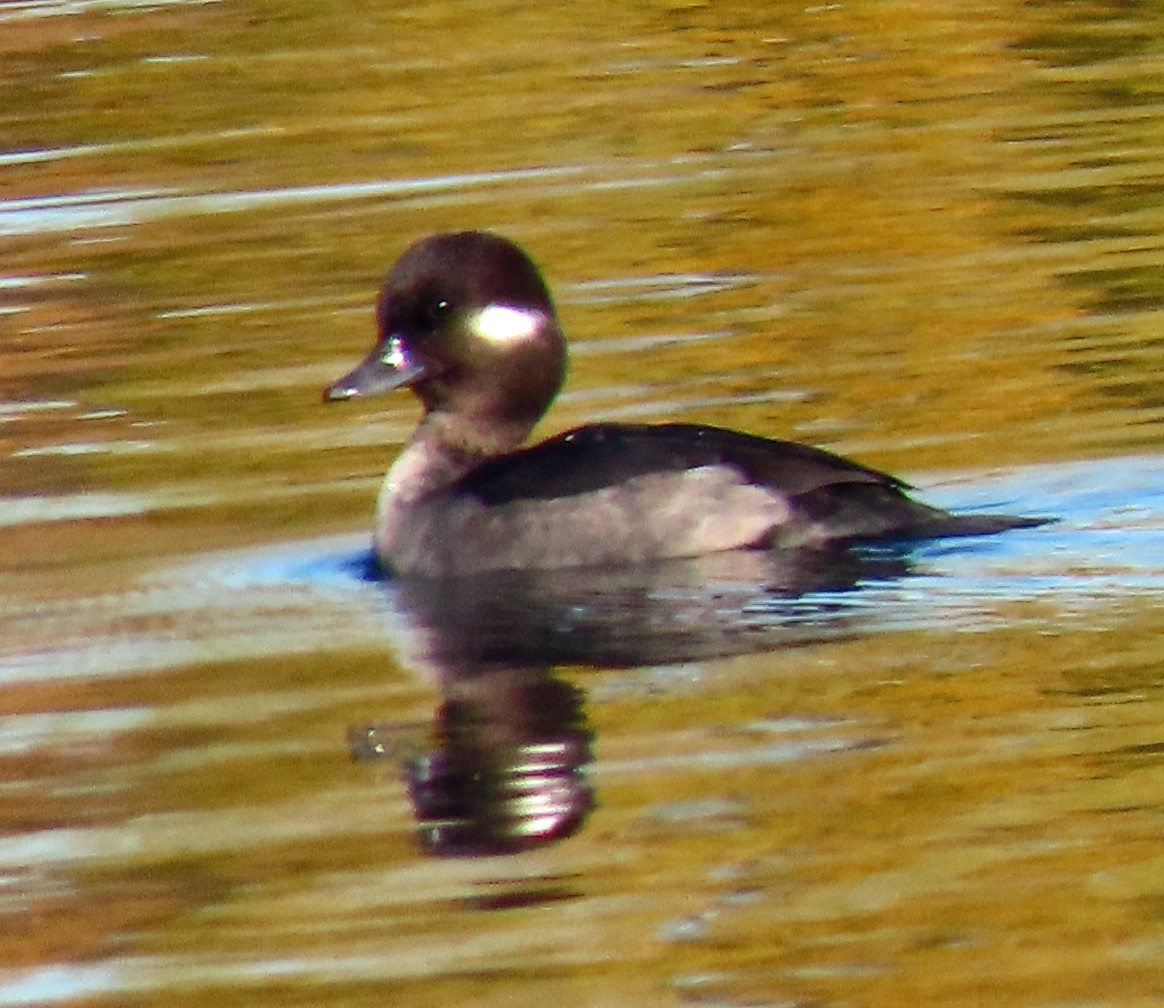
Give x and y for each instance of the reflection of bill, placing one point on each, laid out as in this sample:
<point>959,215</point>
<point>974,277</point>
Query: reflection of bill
<point>507,771</point>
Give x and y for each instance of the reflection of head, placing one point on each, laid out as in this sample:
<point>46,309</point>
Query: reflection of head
<point>507,776</point>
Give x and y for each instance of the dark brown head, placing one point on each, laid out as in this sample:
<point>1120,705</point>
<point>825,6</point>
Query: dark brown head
<point>466,321</point>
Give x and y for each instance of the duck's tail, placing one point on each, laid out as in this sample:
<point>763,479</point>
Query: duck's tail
<point>943,523</point>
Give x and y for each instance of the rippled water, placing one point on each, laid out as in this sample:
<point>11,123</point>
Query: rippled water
<point>236,768</point>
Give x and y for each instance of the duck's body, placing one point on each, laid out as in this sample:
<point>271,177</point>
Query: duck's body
<point>466,321</point>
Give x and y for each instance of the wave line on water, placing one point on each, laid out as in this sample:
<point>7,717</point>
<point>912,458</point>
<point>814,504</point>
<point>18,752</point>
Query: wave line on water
<point>119,208</point>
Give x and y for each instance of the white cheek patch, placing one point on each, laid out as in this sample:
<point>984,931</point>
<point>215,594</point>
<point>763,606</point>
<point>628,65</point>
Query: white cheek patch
<point>505,324</point>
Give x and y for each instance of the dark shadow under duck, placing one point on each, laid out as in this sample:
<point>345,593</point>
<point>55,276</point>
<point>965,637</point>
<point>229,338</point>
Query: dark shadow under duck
<point>467,322</point>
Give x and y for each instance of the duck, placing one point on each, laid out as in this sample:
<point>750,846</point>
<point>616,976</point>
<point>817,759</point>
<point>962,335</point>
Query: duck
<point>467,323</point>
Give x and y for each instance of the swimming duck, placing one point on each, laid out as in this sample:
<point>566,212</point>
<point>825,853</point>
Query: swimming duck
<point>466,322</point>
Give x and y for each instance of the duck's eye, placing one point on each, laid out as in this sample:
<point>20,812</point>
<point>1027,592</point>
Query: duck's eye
<point>434,311</point>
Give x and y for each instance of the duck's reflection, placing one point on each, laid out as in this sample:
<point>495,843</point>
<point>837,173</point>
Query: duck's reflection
<point>504,770</point>
<point>505,773</point>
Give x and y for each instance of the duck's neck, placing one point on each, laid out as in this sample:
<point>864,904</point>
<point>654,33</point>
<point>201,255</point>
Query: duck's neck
<point>439,453</point>
<point>427,465</point>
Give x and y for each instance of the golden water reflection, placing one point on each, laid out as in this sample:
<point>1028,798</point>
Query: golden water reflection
<point>928,238</point>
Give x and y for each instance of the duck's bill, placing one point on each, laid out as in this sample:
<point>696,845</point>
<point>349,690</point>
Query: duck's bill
<point>387,367</point>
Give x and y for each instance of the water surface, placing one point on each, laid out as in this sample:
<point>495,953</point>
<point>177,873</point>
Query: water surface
<point>927,238</point>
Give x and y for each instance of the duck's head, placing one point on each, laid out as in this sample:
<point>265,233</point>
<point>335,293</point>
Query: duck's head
<point>467,323</point>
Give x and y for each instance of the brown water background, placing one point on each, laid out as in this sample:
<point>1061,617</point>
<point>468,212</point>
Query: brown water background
<point>927,235</point>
